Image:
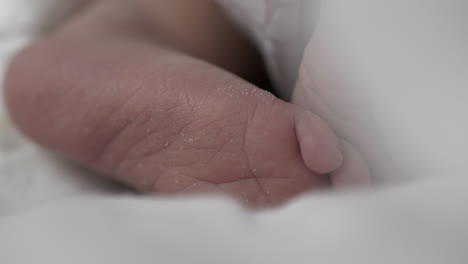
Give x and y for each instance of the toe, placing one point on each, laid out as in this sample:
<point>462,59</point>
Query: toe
<point>318,143</point>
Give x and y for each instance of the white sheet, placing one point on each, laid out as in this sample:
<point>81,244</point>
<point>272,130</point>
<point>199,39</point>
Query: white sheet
<point>53,213</point>
<point>423,223</point>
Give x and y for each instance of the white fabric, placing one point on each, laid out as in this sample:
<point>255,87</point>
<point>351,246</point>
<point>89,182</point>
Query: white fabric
<point>401,225</point>
<point>410,59</point>
<point>54,213</point>
<point>278,28</point>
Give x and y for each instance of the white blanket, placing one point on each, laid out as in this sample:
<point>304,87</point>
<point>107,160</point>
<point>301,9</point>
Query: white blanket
<point>54,213</point>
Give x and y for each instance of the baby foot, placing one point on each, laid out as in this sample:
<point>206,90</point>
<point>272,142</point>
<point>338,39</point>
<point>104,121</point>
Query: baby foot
<point>105,91</point>
<point>166,123</point>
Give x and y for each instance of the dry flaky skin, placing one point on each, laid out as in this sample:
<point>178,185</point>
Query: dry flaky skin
<point>118,92</point>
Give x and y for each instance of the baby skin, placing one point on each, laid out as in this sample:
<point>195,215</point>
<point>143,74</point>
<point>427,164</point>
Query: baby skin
<point>156,95</point>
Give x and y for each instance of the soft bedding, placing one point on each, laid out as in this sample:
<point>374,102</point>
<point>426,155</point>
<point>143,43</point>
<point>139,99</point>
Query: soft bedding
<point>52,212</point>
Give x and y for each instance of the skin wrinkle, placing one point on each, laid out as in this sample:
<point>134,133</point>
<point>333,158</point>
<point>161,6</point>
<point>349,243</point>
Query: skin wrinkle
<point>143,139</point>
<point>218,184</point>
<point>144,126</point>
<point>131,145</point>
<point>115,136</point>
<point>248,162</point>
<point>218,151</point>
<point>164,174</point>
<point>221,129</point>
<point>249,166</point>
<point>128,156</point>
<point>130,125</point>
<point>153,153</point>
<point>153,185</point>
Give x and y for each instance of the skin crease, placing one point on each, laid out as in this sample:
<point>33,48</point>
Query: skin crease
<point>135,95</point>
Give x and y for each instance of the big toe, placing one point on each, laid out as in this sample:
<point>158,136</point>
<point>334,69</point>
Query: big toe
<point>318,143</point>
